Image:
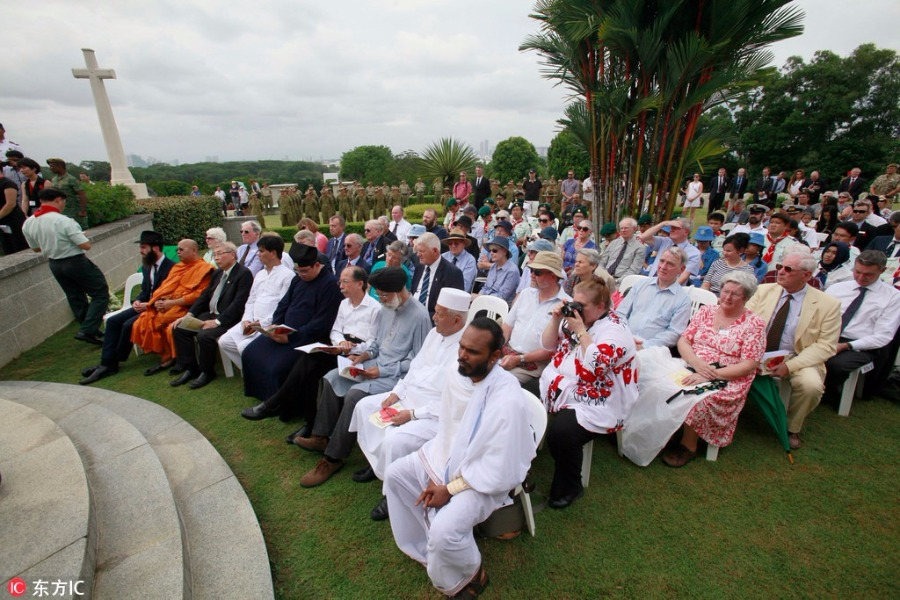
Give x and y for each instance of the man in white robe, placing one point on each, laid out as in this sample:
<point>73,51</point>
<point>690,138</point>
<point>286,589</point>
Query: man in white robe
<point>482,451</point>
<point>417,396</point>
<point>269,285</point>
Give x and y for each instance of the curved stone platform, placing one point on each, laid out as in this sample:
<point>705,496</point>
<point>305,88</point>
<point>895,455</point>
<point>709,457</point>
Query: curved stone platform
<point>167,518</point>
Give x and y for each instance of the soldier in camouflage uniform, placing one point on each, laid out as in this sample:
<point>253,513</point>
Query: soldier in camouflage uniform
<point>379,206</point>
<point>326,205</point>
<point>345,207</point>
<point>437,188</point>
<point>404,193</point>
<point>495,188</point>
<point>396,196</point>
<point>310,205</point>
<point>291,205</point>
<point>362,205</point>
<point>370,192</point>
<point>420,190</point>
<point>256,209</point>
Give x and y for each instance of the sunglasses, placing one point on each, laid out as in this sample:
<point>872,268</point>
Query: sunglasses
<point>584,229</point>
<point>859,212</point>
<point>786,268</point>
<point>543,220</point>
<point>245,231</point>
<point>495,250</point>
<point>538,272</point>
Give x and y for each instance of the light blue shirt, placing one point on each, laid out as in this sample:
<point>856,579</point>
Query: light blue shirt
<point>465,262</point>
<point>658,316</point>
<point>502,281</point>
<point>661,244</point>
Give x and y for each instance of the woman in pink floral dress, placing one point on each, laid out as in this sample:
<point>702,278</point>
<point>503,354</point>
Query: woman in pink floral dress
<point>590,383</point>
<point>721,343</point>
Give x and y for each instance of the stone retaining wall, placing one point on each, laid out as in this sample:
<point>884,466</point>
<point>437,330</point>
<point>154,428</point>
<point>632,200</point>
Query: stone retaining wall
<point>33,306</point>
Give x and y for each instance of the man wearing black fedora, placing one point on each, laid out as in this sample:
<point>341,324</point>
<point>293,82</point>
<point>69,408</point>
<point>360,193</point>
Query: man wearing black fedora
<point>155,267</point>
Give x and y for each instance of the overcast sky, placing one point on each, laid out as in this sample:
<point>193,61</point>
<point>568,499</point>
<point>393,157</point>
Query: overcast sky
<point>308,80</point>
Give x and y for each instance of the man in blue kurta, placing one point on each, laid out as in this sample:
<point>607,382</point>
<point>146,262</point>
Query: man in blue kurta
<point>402,328</point>
<point>309,306</point>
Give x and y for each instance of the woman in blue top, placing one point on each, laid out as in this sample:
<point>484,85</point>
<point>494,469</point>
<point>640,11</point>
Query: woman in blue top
<point>397,255</point>
<point>581,241</point>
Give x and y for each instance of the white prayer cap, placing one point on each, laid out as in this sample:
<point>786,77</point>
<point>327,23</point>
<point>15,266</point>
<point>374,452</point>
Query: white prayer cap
<point>453,299</point>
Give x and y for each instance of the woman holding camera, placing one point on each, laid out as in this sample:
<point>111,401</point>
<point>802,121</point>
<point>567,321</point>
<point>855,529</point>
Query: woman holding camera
<point>590,383</point>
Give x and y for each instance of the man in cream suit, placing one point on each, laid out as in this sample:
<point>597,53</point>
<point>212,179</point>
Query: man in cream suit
<point>808,327</point>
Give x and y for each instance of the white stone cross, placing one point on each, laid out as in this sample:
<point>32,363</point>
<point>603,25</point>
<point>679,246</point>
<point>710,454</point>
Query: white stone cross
<point>118,166</point>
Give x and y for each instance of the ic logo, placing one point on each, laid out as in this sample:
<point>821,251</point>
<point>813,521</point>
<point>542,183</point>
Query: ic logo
<point>16,587</point>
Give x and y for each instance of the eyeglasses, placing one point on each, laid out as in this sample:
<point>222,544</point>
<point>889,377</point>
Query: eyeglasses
<point>584,229</point>
<point>859,212</point>
<point>538,272</point>
<point>786,268</point>
<point>246,231</point>
<point>367,230</point>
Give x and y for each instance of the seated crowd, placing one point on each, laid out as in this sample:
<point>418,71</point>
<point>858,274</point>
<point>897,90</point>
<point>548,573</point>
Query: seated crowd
<point>369,339</point>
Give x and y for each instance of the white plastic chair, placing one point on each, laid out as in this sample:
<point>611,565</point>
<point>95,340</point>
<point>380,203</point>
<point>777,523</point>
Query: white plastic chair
<point>628,282</point>
<point>134,280</point>
<point>587,454</point>
<point>853,387</point>
<point>728,226</point>
<point>700,297</point>
<point>227,365</point>
<point>537,419</point>
<point>496,308</point>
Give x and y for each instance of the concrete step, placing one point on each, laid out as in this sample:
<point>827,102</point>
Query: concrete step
<point>138,550</point>
<point>224,551</point>
<point>44,499</point>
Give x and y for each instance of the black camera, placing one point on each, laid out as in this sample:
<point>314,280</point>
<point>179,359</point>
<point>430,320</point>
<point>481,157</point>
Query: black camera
<point>570,308</point>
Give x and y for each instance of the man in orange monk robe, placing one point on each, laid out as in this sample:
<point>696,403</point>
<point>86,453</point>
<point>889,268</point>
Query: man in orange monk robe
<point>171,301</point>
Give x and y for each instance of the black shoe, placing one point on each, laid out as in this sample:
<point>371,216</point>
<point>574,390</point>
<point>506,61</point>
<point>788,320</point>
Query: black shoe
<point>303,432</point>
<point>565,501</point>
<point>258,412</point>
<point>176,370</point>
<point>380,512</point>
<point>201,380</point>
<point>185,377</point>
<point>86,372</point>
<point>156,369</point>
<point>98,373</point>
<point>364,475</point>
<point>90,338</point>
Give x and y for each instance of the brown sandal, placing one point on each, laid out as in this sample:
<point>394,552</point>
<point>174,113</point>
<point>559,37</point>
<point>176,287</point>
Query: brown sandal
<point>475,587</point>
<point>679,456</point>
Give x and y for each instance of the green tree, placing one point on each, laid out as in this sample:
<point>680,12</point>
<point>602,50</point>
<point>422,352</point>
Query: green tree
<point>567,152</point>
<point>641,74</point>
<point>446,158</point>
<point>406,165</point>
<point>365,163</point>
<point>830,114</point>
<point>512,158</point>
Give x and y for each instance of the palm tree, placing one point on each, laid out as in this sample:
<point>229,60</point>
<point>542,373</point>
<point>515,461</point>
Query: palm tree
<point>446,158</point>
<point>642,72</point>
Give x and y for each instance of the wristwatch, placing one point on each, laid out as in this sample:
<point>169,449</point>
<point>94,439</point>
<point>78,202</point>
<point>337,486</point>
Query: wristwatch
<point>521,360</point>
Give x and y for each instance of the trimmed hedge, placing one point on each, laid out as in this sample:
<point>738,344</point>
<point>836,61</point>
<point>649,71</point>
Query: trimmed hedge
<point>179,217</point>
<point>106,203</point>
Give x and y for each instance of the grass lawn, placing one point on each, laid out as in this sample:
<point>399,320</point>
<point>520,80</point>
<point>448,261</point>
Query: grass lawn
<point>748,525</point>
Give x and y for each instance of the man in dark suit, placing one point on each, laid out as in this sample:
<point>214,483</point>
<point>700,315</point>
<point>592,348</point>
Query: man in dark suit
<point>762,189</point>
<point>719,185</point>
<point>353,245</point>
<point>482,187</point>
<point>117,336</point>
<point>433,273</point>
<point>739,185</point>
<point>889,244</point>
<point>336,225</point>
<point>219,307</point>
<point>854,184</point>
<point>375,247</point>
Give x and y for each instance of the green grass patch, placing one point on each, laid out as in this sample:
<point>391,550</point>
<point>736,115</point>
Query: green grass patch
<point>748,525</point>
